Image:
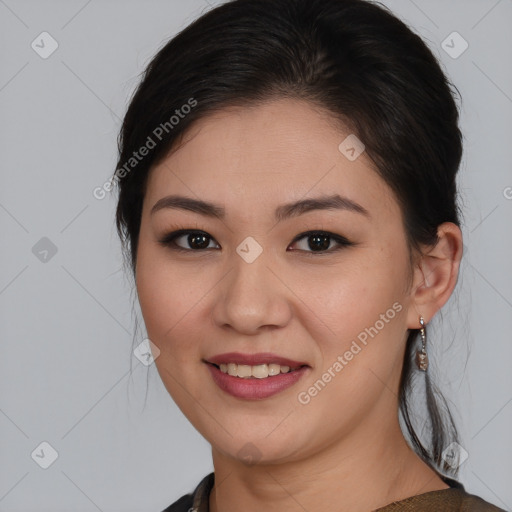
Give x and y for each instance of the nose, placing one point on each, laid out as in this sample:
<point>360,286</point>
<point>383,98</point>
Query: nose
<point>252,297</point>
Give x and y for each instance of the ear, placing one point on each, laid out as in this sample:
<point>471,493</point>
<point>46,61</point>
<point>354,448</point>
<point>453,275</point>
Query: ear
<point>435,275</point>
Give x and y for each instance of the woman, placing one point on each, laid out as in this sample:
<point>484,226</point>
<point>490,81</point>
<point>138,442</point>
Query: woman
<point>288,206</point>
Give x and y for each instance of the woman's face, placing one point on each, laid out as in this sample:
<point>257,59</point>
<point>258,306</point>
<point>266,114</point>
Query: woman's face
<point>251,284</point>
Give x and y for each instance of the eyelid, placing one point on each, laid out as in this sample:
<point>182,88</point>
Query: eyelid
<point>339,239</point>
<point>312,232</point>
<point>168,239</point>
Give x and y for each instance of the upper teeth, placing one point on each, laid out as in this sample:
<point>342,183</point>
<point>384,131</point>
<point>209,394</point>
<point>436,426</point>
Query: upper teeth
<point>259,371</point>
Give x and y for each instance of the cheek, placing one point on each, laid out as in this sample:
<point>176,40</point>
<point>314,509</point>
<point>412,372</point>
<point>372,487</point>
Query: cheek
<point>165,295</point>
<point>361,361</point>
<point>347,298</point>
<point>362,308</point>
<point>170,308</point>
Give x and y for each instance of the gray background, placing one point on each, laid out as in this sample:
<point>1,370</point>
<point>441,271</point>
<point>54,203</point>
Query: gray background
<point>67,373</point>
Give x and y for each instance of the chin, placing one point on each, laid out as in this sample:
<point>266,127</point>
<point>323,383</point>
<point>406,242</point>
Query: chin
<point>256,449</point>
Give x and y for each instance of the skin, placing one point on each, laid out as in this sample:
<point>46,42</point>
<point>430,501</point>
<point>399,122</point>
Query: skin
<point>344,450</point>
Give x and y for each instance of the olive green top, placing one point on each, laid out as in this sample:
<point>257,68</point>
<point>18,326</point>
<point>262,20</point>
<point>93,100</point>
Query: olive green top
<point>454,499</point>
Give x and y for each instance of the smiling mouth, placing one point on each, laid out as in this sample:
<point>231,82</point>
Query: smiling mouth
<point>259,381</point>
<point>259,371</point>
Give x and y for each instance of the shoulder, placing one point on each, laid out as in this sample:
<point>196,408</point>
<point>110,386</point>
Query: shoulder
<point>454,499</point>
<point>469,502</point>
<point>447,500</point>
<point>472,503</point>
<point>195,500</point>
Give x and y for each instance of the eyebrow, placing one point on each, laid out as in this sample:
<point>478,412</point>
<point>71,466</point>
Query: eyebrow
<point>208,209</point>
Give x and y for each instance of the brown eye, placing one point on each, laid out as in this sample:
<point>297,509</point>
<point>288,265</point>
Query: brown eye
<point>320,242</point>
<point>187,240</point>
<point>198,240</point>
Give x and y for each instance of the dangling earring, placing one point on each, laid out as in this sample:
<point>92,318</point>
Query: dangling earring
<point>421,355</point>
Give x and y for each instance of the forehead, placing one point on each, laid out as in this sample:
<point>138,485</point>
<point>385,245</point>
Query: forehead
<point>276,152</point>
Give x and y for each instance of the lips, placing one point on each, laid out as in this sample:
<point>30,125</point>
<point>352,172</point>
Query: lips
<point>271,374</point>
<point>254,359</point>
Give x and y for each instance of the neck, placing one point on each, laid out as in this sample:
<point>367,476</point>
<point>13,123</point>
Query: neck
<point>366,470</point>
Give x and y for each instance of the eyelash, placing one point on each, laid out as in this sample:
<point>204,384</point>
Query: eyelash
<point>169,239</point>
